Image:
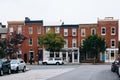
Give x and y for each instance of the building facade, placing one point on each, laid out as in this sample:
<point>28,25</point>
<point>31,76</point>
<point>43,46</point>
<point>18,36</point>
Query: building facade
<point>74,35</point>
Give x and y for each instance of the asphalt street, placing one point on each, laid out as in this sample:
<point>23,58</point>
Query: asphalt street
<point>88,72</point>
<point>64,72</point>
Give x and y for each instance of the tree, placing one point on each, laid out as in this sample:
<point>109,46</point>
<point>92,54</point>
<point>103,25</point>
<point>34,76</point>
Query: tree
<point>52,42</point>
<point>3,46</point>
<point>10,45</point>
<point>94,44</point>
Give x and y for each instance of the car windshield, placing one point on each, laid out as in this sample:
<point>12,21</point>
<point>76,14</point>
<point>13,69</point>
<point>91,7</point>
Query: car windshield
<point>14,61</point>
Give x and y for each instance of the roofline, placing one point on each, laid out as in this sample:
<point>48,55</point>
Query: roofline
<point>15,22</point>
<point>33,21</point>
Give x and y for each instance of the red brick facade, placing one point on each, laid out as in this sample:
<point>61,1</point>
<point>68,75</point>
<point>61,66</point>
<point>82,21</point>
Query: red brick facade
<point>74,41</point>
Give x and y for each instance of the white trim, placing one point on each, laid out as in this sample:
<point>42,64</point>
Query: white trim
<point>92,31</point>
<point>102,29</point>
<point>114,30</point>
<point>114,43</point>
<point>83,32</point>
<point>112,49</point>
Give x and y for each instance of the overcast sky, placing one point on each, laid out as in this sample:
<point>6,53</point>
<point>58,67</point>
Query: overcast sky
<point>53,11</point>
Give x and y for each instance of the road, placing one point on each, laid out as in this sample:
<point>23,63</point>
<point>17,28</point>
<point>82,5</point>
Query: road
<point>88,72</point>
<point>64,72</point>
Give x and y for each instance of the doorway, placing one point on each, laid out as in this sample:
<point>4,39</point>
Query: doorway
<point>40,55</point>
<point>25,58</point>
<point>70,57</point>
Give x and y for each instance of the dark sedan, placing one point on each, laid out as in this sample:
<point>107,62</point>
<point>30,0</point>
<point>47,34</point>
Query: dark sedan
<point>4,67</point>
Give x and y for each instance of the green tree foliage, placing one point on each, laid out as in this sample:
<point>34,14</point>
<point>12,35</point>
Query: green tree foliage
<point>52,42</point>
<point>3,46</point>
<point>94,44</point>
<point>11,44</point>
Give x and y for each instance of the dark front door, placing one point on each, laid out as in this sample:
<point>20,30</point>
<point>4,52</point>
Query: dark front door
<point>25,58</point>
<point>70,57</point>
<point>40,55</point>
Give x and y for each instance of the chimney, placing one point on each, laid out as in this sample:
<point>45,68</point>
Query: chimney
<point>27,19</point>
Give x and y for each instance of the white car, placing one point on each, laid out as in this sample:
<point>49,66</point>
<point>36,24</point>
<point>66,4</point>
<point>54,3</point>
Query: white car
<point>18,65</point>
<point>56,61</point>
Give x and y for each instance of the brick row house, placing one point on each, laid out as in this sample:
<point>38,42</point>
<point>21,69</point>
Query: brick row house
<point>3,34</point>
<point>74,35</point>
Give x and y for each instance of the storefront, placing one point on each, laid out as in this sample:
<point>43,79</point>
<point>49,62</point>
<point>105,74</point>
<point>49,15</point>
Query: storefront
<point>111,54</point>
<point>69,55</point>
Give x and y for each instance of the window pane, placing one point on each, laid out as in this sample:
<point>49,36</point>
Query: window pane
<point>30,30</point>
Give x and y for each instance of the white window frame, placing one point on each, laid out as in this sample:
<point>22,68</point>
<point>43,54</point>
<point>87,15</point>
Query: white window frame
<point>19,29</point>
<point>112,51</point>
<point>57,29</point>
<point>47,29</point>
<point>38,29</point>
<point>11,30</point>
<point>93,29</point>
<point>65,32</point>
<point>30,30</point>
<point>3,36</point>
<point>30,41</point>
<point>37,42</point>
<point>83,32</point>
<point>74,43</point>
<point>102,30</point>
<point>112,43</point>
<point>82,41</point>
<point>66,43</point>
<point>74,31</point>
<point>112,31</point>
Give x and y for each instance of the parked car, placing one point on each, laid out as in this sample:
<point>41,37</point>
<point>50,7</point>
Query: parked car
<point>4,67</point>
<point>56,61</point>
<point>18,65</point>
<point>114,66</point>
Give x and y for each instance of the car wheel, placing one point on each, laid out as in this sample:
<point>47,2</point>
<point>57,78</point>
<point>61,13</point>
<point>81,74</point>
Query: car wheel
<point>119,71</point>
<point>45,63</point>
<point>57,63</point>
<point>24,69</point>
<point>17,70</point>
<point>9,71</point>
<point>1,72</point>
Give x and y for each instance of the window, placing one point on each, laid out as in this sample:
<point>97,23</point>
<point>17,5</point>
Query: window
<point>73,32</point>
<point>90,55</point>
<point>3,36</point>
<point>93,31</point>
<point>66,43</point>
<point>11,30</point>
<point>57,29</point>
<point>103,31</point>
<point>47,29</point>
<point>19,29</point>
<point>112,42</point>
<point>82,32</point>
<point>74,43</point>
<point>38,30</point>
<point>112,55</point>
<point>30,41</point>
<point>30,30</point>
<point>82,41</point>
<point>38,41</point>
<point>113,30</point>
<point>65,32</point>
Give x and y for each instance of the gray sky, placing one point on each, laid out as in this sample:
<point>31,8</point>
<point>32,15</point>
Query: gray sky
<point>51,11</point>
